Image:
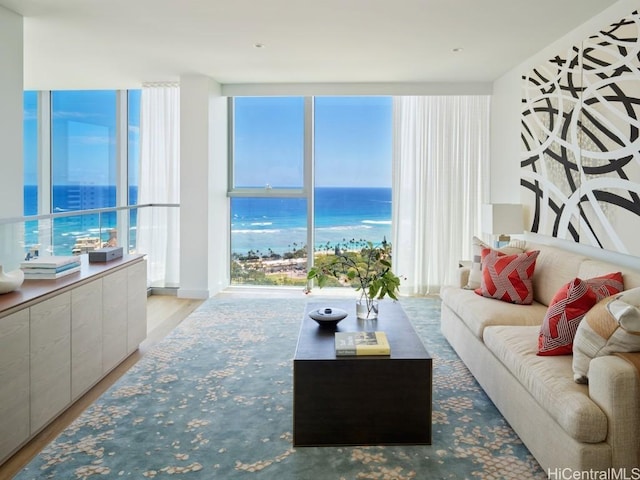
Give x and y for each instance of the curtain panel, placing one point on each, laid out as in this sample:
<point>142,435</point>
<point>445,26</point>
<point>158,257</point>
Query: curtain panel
<point>440,156</point>
<point>158,229</point>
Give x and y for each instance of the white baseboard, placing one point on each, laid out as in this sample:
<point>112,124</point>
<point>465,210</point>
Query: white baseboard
<point>197,294</point>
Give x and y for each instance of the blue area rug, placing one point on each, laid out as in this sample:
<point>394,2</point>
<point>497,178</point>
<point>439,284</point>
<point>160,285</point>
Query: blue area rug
<point>214,400</point>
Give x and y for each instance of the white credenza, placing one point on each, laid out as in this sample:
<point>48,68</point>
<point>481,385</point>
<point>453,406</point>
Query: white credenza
<point>14,381</point>
<point>58,338</point>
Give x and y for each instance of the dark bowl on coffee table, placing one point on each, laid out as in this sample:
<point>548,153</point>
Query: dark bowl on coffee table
<point>328,317</point>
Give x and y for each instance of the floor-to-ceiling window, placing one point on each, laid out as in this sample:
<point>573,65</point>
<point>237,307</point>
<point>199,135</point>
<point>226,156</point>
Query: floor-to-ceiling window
<point>133,143</point>
<point>73,158</point>
<point>352,164</point>
<point>83,166</point>
<point>133,159</point>
<point>30,155</point>
<point>289,153</point>
<point>30,161</point>
<point>269,206</point>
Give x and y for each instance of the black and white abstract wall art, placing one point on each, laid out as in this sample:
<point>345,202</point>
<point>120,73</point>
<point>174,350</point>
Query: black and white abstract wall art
<point>580,170</point>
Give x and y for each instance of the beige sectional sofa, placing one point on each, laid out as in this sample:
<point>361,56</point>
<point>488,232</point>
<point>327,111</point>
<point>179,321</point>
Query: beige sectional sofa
<point>565,425</point>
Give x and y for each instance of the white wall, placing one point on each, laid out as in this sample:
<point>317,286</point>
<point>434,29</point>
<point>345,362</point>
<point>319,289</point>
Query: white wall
<point>504,178</point>
<point>310,89</point>
<point>204,222</point>
<point>504,175</point>
<point>219,221</point>
<point>11,166</point>
<point>11,105</point>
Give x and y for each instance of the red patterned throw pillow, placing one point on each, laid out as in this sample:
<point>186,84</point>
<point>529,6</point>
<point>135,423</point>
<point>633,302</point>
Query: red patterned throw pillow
<point>568,307</point>
<point>607,285</point>
<point>508,277</point>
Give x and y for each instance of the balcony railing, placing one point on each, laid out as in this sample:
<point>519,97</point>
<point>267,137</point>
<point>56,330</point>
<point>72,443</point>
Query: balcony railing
<point>77,232</point>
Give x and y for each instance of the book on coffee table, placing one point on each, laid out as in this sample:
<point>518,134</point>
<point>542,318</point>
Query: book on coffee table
<point>362,343</point>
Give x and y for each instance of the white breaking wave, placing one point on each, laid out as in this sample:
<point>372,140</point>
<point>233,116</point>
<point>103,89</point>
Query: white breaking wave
<point>343,227</point>
<point>377,222</point>
<point>251,230</point>
<point>267,230</point>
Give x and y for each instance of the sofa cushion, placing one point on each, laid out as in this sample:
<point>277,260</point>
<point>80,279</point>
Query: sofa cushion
<point>569,306</point>
<point>475,272</point>
<point>508,277</point>
<point>554,268</point>
<point>479,312</point>
<point>592,268</point>
<point>612,326</point>
<point>549,380</point>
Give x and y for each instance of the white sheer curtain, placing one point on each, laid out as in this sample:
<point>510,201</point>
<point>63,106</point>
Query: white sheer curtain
<point>441,145</point>
<point>158,231</point>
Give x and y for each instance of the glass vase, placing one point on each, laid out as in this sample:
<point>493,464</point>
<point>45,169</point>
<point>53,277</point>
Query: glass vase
<point>367,309</point>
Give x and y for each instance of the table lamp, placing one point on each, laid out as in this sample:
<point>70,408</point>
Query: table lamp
<point>502,219</point>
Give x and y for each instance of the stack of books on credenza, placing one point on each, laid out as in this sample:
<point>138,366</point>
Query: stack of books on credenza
<point>50,268</point>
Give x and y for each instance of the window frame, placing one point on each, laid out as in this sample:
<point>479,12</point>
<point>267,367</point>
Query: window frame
<point>306,192</point>
<point>45,157</point>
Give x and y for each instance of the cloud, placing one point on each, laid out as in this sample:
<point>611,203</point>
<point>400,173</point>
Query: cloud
<point>91,140</point>
<point>61,114</point>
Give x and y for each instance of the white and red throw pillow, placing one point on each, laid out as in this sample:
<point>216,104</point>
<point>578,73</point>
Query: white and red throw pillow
<point>607,285</point>
<point>508,277</point>
<point>567,309</point>
<point>475,272</point>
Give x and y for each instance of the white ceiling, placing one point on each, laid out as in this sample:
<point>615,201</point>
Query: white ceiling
<point>121,43</point>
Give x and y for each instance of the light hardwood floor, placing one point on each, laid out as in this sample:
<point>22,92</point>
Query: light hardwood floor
<point>164,312</point>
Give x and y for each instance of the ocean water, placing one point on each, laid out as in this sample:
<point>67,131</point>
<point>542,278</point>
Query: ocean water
<point>67,198</point>
<point>264,225</point>
<point>342,215</point>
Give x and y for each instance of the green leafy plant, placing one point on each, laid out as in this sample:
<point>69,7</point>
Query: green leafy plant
<point>368,270</point>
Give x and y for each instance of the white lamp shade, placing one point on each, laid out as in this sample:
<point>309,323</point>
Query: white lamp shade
<point>501,218</point>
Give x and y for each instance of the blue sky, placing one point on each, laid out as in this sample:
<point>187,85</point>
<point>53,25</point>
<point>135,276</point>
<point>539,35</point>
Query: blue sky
<point>83,136</point>
<point>352,139</point>
<point>30,137</point>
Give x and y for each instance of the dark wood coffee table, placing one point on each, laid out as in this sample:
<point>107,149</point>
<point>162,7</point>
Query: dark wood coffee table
<point>372,400</point>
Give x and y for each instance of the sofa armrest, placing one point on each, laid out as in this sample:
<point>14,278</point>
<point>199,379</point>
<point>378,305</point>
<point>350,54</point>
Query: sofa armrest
<point>614,384</point>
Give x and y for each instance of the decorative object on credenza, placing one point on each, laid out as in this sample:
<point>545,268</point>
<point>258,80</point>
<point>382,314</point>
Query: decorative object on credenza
<point>368,270</point>
<point>105,254</point>
<point>328,316</point>
<point>50,267</point>
<point>10,281</point>
<point>502,219</point>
